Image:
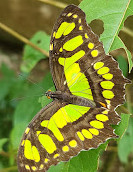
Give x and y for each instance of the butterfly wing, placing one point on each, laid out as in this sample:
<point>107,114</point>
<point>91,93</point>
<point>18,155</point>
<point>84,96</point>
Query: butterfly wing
<point>79,64</point>
<point>59,131</point>
<point>37,143</point>
<point>80,67</point>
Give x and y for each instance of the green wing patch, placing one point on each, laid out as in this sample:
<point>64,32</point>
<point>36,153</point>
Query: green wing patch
<point>81,70</point>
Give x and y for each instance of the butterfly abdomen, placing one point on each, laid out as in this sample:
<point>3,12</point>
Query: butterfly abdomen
<point>71,99</point>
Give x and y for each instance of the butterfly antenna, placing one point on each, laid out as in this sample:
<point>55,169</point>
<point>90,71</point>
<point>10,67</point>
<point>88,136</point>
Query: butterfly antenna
<point>20,98</point>
<point>33,82</point>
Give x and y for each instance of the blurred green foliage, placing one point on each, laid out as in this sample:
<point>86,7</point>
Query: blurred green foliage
<point>31,56</point>
<point>125,145</point>
<point>16,114</point>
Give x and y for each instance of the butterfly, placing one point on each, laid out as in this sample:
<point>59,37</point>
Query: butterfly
<point>89,86</point>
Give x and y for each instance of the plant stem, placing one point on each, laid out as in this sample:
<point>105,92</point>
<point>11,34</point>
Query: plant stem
<point>127,31</point>
<point>13,168</point>
<point>54,3</point>
<point>22,38</point>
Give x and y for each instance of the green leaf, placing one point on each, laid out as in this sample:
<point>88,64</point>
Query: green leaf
<point>6,82</point>
<point>125,145</point>
<point>28,108</point>
<point>2,142</point>
<point>4,88</point>
<point>16,135</point>
<point>113,13</point>
<point>44,100</point>
<point>31,56</point>
<point>123,65</point>
<point>118,43</point>
<point>24,112</point>
<point>84,162</point>
<point>57,168</point>
<point>121,128</point>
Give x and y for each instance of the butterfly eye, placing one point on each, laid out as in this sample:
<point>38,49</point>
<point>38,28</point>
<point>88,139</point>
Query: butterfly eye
<point>48,97</point>
<point>49,94</point>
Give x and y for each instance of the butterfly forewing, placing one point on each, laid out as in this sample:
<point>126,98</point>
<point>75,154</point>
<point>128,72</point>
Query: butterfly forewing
<point>79,67</point>
<point>79,64</point>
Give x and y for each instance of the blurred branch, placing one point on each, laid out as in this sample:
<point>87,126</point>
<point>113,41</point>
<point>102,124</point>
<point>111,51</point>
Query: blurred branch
<point>129,97</point>
<point>22,38</point>
<point>13,168</point>
<point>54,3</point>
<point>5,154</point>
<point>127,31</point>
<point>112,148</point>
<point>122,109</point>
<point>109,162</point>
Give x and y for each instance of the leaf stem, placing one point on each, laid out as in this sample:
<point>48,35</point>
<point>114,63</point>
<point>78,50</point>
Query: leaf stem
<point>112,148</point>
<point>54,3</point>
<point>13,168</point>
<point>127,31</point>
<point>22,38</point>
<point>122,109</point>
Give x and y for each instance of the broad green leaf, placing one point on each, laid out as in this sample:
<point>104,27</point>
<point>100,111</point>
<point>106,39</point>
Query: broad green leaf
<point>25,110</point>
<point>16,134</point>
<point>86,161</point>
<point>6,81</point>
<point>121,128</point>
<point>113,13</point>
<point>4,88</point>
<point>44,100</point>
<point>28,108</point>
<point>118,43</point>
<point>31,56</point>
<point>123,65</point>
<point>2,142</point>
<point>125,145</point>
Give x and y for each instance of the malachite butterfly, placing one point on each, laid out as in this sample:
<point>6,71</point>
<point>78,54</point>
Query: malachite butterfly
<point>89,86</point>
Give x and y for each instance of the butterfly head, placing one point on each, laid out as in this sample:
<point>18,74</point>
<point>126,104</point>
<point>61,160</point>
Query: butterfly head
<point>49,94</point>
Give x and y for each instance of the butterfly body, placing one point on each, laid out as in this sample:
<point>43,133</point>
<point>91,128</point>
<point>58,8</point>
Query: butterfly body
<point>89,86</point>
<point>70,99</point>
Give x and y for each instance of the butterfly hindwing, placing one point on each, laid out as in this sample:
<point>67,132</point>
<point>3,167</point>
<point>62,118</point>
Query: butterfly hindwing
<point>37,143</point>
<point>60,131</point>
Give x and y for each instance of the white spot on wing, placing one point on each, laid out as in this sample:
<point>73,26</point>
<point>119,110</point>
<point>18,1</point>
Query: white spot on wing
<point>65,82</point>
